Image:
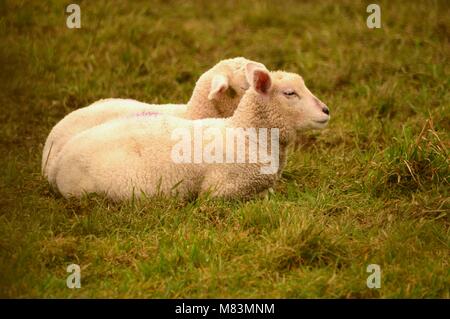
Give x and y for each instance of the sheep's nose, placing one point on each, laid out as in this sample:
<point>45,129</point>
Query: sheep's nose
<point>326,110</point>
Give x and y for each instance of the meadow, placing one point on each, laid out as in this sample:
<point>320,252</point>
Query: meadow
<point>372,188</point>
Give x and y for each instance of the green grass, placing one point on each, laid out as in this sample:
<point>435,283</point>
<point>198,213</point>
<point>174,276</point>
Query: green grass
<point>371,188</point>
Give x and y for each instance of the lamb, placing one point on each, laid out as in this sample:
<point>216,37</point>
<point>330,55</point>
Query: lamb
<point>131,157</point>
<point>216,94</point>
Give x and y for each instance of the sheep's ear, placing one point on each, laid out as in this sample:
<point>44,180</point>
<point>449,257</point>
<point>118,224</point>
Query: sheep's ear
<point>219,84</point>
<point>258,77</point>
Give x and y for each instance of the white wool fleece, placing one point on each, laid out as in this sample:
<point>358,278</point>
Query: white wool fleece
<point>128,157</point>
<point>216,95</point>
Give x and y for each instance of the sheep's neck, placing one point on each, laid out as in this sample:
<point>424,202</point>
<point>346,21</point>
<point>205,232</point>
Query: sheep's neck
<point>256,112</point>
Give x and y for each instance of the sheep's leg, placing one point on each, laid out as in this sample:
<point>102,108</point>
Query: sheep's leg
<point>239,185</point>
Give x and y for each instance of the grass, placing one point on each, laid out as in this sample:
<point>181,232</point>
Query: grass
<point>373,188</point>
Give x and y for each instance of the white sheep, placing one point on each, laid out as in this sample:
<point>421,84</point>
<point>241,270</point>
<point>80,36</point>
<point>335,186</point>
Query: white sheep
<point>216,94</point>
<point>128,157</point>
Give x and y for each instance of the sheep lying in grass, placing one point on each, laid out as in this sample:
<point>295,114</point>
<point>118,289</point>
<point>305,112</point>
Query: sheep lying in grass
<point>132,156</point>
<point>216,94</point>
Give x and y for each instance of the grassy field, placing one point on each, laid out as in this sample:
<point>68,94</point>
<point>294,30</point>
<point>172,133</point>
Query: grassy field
<point>373,188</point>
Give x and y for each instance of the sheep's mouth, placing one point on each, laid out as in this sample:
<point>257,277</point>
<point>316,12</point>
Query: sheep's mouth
<point>322,122</point>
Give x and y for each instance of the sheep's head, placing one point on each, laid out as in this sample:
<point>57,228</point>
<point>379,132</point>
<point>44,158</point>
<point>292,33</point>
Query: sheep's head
<point>288,93</point>
<point>223,86</point>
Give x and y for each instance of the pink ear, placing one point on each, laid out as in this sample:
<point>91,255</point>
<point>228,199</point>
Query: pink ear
<point>262,81</point>
<point>258,77</point>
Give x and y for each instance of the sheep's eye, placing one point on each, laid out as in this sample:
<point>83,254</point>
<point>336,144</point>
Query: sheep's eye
<point>290,93</point>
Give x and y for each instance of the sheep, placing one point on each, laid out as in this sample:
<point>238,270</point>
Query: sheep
<point>216,94</point>
<point>131,157</point>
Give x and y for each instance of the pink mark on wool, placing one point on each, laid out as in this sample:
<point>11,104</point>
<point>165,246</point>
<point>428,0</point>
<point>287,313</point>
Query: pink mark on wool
<point>147,113</point>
